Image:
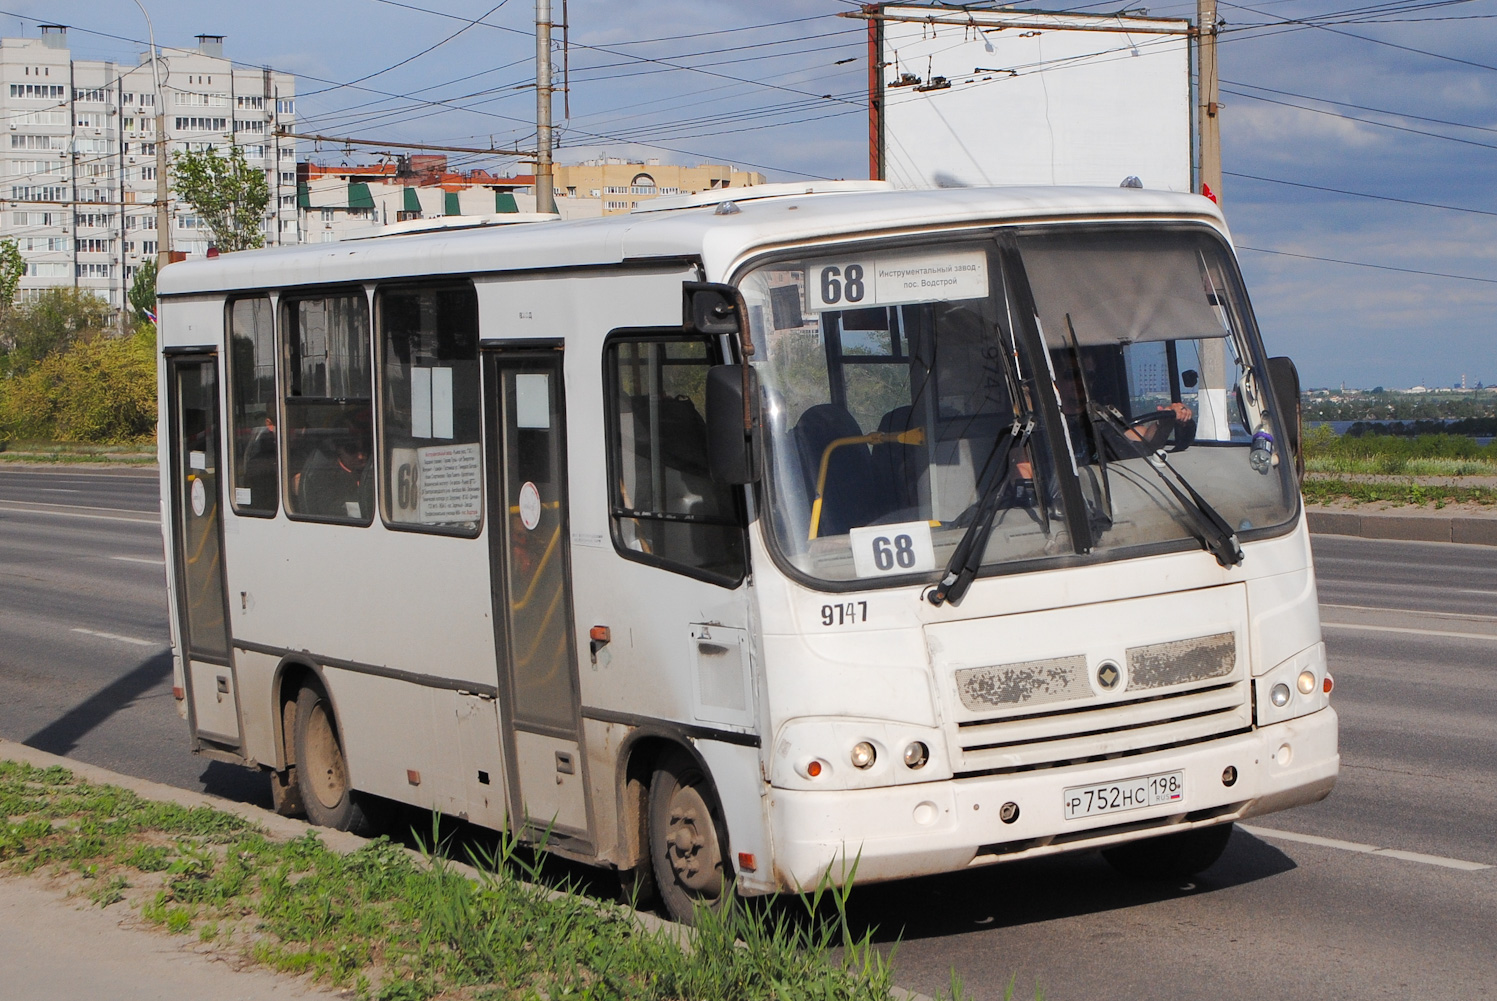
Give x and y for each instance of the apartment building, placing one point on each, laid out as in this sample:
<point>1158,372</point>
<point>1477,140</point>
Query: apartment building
<point>78,163</point>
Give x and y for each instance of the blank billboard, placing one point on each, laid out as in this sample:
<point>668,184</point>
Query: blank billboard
<point>1022,97</point>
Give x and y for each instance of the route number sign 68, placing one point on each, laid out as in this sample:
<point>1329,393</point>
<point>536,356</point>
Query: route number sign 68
<point>886,550</point>
<point>840,284</point>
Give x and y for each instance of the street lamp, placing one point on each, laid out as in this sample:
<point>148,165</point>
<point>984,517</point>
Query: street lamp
<point>163,211</point>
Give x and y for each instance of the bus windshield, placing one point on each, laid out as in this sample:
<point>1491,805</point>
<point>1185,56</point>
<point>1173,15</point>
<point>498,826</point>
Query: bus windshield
<point>907,392</point>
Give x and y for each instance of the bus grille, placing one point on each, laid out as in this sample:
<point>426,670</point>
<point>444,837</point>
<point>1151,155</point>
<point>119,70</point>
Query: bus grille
<point>1044,714</point>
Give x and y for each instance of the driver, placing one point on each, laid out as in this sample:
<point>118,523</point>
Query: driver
<point>1151,430</point>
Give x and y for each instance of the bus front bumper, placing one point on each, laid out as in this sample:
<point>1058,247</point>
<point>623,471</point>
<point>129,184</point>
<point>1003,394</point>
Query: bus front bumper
<point>897,832</point>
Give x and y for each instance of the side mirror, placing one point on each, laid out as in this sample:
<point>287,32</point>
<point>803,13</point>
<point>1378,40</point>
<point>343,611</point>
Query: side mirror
<point>733,425</point>
<point>1285,379</point>
<point>710,308</point>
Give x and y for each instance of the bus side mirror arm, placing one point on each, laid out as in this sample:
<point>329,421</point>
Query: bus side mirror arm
<point>1286,397</point>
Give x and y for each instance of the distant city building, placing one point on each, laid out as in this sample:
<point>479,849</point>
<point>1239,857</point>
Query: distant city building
<point>78,190</point>
<point>336,203</point>
<point>623,184</point>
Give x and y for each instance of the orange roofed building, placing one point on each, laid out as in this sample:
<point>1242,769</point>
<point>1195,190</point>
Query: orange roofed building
<point>337,202</point>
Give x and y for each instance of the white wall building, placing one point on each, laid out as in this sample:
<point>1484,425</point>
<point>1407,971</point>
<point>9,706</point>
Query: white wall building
<point>78,155</point>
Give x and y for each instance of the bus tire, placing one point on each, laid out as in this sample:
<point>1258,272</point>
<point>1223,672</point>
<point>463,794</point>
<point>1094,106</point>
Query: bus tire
<point>322,770</point>
<point>1170,856</point>
<point>688,844</point>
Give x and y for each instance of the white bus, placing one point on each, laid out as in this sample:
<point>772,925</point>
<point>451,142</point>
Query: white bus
<point>731,542</point>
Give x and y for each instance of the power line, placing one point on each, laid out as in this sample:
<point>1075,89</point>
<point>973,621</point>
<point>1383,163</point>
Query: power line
<point>1374,41</point>
<point>346,141</point>
<point>1360,194</point>
<point>1362,107</point>
<point>1354,118</point>
<point>410,59</point>
<point>1365,264</point>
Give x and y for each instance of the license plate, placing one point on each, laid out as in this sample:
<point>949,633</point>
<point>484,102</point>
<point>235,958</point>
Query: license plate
<point>1129,794</point>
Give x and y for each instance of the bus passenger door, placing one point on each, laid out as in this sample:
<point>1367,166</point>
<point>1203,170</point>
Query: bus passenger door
<point>531,567</point>
<point>197,458</point>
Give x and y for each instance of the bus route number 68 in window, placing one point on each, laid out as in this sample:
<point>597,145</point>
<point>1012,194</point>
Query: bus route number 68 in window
<point>885,550</point>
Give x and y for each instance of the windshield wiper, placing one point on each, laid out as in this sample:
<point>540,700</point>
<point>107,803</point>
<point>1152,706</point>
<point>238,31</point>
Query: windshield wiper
<point>1209,526</point>
<point>966,559</point>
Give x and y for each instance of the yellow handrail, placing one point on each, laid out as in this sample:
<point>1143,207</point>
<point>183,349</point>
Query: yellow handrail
<point>914,436</point>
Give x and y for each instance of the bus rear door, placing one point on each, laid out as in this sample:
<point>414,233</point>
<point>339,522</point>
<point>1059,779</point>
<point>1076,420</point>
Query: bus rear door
<point>531,567</point>
<point>197,459</point>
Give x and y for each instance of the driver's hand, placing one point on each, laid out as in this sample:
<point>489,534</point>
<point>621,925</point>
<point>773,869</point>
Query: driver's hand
<point>1182,412</point>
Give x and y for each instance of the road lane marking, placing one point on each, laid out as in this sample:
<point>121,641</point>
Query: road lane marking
<point>1356,846</point>
<point>140,559</point>
<point>1442,588</point>
<point>1411,611</point>
<point>34,509</point>
<point>1492,637</point>
<point>117,637</point>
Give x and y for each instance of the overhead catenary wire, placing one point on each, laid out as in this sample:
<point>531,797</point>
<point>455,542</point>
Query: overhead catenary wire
<point>1367,264</point>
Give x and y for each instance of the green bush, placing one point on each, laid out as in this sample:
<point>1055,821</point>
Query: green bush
<point>99,389</point>
<point>1397,455</point>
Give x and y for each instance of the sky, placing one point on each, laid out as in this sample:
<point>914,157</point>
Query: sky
<point>1336,120</point>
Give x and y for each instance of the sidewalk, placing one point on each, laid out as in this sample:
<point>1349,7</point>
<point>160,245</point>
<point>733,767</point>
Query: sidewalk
<point>56,948</point>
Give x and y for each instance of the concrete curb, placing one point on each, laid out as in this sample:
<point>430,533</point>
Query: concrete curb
<point>1476,530</point>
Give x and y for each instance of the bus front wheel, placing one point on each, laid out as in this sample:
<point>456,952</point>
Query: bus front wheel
<point>322,770</point>
<point>687,847</point>
<point>1170,856</point>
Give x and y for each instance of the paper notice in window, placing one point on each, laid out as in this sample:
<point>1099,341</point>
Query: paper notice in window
<point>441,403</point>
<point>420,402</point>
<point>451,484</point>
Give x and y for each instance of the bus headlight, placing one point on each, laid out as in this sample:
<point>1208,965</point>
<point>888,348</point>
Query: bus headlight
<point>1291,688</point>
<point>863,754</point>
<point>916,755</point>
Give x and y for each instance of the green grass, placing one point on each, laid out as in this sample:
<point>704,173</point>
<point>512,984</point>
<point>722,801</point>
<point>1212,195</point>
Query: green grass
<point>1325,489</point>
<point>396,927</point>
<point>54,452</point>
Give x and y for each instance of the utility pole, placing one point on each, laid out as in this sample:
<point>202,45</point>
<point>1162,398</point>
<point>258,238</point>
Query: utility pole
<point>1207,95</point>
<point>545,185</point>
<point>163,211</point>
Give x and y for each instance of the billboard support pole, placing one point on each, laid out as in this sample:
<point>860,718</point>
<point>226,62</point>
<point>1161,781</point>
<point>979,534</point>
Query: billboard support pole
<point>1209,124</point>
<point>875,97</point>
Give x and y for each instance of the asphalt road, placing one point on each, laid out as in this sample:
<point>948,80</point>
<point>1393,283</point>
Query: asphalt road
<point>85,668</point>
<point>1300,908</point>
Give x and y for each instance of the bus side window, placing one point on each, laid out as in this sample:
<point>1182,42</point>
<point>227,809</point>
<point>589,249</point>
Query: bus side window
<point>432,462</point>
<point>665,508</point>
<point>252,407</point>
<point>328,407</point>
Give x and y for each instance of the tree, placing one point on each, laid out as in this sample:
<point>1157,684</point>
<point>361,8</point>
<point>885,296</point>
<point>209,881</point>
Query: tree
<point>227,192</point>
<point>12,267</point>
<point>49,324</point>
<point>143,290</point>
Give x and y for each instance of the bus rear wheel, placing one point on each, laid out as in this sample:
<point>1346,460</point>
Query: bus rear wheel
<point>1170,856</point>
<point>322,770</point>
<point>688,852</point>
